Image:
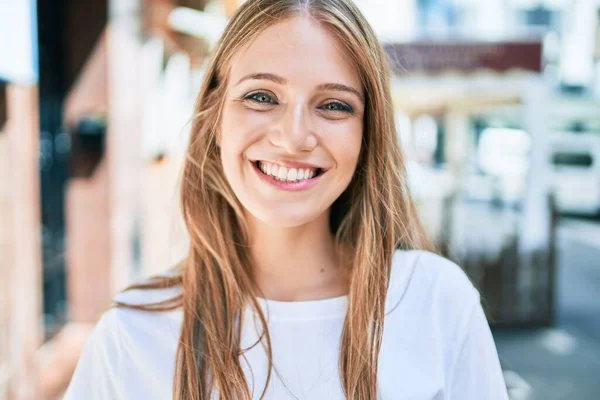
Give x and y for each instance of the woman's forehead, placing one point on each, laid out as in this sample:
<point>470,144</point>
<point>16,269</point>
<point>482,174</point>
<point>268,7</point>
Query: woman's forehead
<point>297,49</point>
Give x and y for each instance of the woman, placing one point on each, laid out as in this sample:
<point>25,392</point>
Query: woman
<point>307,275</point>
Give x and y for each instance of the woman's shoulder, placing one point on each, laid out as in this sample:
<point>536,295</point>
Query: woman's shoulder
<point>440,321</point>
<point>129,329</point>
<point>433,282</point>
<point>127,348</point>
<point>139,308</point>
<point>126,324</point>
<point>429,270</point>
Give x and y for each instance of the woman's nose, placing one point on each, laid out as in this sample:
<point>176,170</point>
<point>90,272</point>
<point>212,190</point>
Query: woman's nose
<point>293,132</point>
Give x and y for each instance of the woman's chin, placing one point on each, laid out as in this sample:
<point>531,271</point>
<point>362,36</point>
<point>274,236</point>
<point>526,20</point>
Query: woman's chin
<point>285,216</point>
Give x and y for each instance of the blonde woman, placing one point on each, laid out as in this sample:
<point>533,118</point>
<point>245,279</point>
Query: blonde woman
<point>308,275</point>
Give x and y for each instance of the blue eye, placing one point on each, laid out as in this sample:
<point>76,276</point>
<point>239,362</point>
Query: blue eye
<point>337,106</point>
<point>261,98</point>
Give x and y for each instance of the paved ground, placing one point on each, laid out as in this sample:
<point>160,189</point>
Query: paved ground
<point>562,362</point>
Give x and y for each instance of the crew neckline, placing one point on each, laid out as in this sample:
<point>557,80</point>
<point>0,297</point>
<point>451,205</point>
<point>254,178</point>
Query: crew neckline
<point>333,307</point>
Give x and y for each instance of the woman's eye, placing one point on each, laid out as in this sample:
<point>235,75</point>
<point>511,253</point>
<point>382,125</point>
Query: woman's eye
<point>337,106</point>
<point>262,98</point>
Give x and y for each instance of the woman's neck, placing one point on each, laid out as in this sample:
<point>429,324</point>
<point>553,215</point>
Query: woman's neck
<point>297,264</point>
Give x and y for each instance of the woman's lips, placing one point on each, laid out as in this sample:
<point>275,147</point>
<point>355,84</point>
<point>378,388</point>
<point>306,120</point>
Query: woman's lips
<point>296,179</point>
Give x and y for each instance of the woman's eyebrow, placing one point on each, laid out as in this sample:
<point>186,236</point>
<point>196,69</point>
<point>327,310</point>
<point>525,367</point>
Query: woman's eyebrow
<point>341,88</point>
<point>263,76</point>
<point>282,81</point>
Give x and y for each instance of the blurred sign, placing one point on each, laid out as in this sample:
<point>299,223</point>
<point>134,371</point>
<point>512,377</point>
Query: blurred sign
<point>18,41</point>
<point>466,57</point>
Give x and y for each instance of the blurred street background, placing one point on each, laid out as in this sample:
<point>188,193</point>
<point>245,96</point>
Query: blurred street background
<point>497,110</point>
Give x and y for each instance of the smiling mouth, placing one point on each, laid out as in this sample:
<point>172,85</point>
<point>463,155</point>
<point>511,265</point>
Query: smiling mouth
<point>287,174</point>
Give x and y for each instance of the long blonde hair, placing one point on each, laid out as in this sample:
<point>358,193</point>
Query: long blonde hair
<point>373,217</point>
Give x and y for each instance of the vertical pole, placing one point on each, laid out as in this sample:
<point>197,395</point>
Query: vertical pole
<point>23,273</point>
<point>53,157</point>
<point>535,229</point>
<point>124,148</point>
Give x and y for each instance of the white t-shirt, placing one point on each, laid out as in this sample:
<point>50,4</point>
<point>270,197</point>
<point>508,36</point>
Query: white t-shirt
<point>436,344</point>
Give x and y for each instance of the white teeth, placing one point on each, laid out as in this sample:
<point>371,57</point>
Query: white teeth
<point>292,173</point>
<point>286,174</point>
<point>282,174</point>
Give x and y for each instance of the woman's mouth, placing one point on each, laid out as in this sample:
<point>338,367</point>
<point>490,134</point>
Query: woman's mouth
<point>287,174</point>
<point>288,178</point>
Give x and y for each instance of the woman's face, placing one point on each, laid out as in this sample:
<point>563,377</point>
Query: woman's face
<point>292,123</point>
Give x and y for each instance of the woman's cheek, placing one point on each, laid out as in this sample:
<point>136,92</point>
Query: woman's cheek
<point>241,125</point>
<point>344,140</point>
